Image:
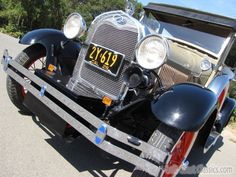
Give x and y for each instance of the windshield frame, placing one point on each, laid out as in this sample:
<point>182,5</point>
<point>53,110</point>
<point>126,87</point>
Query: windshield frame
<point>226,32</point>
<point>208,51</point>
<point>215,55</point>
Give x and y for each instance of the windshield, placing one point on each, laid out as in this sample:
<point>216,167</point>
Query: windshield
<point>204,40</point>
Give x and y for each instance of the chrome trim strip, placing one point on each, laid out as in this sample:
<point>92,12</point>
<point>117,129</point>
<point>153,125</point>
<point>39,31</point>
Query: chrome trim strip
<point>5,59</point>
<point>224,46</point>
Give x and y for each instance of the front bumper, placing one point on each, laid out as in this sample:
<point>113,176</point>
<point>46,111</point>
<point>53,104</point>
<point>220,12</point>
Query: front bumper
<point>103,130</point>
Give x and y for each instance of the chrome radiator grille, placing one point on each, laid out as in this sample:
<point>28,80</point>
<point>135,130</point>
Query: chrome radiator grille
<point>88,80</point>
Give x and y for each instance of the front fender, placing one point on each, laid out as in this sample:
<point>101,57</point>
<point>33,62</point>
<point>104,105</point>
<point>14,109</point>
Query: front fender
<point>43,36</point>
<point>185,106</point>
<point>219,83</point>
<point>51,39</point>
<point>225,113</point>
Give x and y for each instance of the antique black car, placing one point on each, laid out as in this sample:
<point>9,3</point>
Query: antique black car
<point>143,90</point>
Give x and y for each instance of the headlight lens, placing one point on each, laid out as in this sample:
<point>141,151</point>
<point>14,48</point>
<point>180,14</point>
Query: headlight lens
<point>75,26</point>
<point>151,53</point>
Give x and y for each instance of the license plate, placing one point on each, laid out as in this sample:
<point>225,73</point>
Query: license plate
<point>105,59</point>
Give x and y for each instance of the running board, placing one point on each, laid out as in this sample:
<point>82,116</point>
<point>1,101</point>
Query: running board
<point>211,140</point>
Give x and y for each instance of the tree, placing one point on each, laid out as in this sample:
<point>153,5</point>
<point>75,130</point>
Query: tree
<point>1,8</point>
<point>20,16</point>
<point>11,15</point>
<point>92,8</point>
<point>26,15</point>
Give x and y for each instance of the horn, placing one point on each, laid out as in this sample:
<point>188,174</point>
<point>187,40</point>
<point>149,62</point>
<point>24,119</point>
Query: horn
<point>133,76</point>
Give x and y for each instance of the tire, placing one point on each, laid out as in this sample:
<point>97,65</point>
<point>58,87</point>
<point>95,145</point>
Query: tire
<point>26,58</point>
<point>164,138</point>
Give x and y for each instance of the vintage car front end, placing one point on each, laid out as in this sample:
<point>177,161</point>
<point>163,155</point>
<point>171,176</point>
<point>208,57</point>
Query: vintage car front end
<point>158,77</point>
<point>118,33</point>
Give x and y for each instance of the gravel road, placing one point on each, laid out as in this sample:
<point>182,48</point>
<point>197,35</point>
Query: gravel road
<point>27,149</point>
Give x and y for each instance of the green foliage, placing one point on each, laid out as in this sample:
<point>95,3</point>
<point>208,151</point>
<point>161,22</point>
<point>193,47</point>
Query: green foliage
<point>232,90</point>
<point>232,94</point>
<point>11,30</point>
<point>233,119</point>
<point>20,16</point>
<point>24,15</point>
<point>90,9</point>
<point>138,10</point>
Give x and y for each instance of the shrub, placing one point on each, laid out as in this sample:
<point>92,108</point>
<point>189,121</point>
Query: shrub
<point>11,31</point>
<point>232,94</point>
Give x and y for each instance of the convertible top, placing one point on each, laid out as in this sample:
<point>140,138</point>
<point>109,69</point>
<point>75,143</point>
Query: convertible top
<point>170,10</point>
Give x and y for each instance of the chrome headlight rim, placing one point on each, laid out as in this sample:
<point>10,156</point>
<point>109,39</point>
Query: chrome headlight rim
<point>81,26</point>
<point>165,46</point>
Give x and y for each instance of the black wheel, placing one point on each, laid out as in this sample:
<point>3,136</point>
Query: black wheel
<point>168,139</point>
<point>32,58</point>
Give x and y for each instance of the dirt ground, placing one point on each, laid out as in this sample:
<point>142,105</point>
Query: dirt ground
<point>231,133</point>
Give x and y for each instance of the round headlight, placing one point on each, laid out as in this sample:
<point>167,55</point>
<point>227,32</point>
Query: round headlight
<point>151,52</point>
<point>75,26</point>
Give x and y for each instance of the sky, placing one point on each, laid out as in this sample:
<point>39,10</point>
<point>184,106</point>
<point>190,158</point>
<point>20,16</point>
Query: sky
<point>221,7</point>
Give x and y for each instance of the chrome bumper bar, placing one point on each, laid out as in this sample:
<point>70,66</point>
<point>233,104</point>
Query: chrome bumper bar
<point>17,72</point>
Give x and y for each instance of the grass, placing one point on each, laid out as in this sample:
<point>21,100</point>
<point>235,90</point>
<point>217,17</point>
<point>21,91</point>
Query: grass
<point>233,118</point>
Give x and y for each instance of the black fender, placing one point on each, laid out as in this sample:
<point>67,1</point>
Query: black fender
<point>185,106</point>
<point>52,40</point>
<point>225,113</point>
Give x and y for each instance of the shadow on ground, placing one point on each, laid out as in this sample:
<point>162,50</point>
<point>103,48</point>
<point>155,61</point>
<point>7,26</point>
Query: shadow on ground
<point>85,156</point>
